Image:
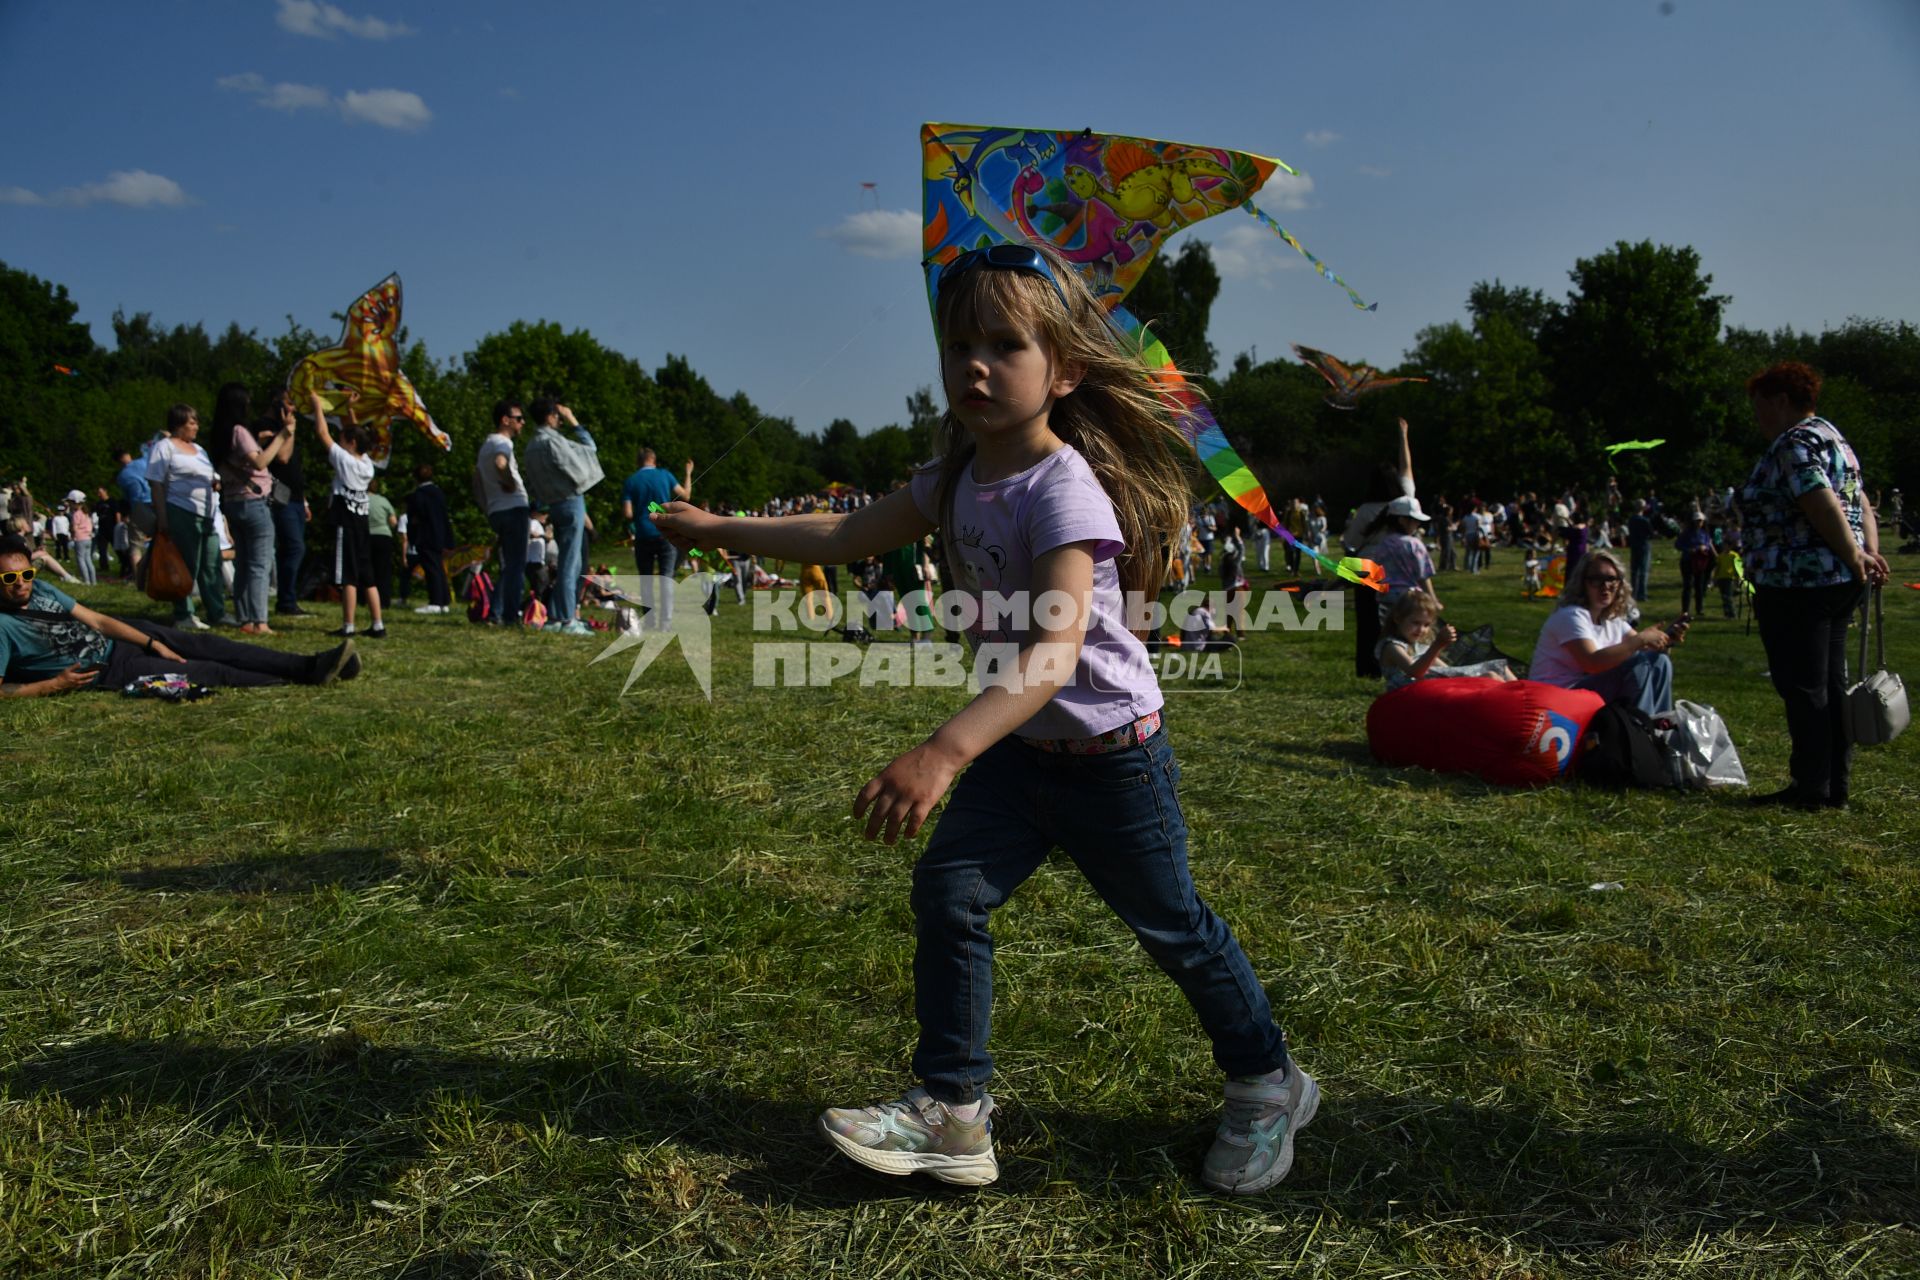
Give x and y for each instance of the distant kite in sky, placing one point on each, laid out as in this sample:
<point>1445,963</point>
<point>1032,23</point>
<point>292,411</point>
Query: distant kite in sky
<point>367,360</point>
<point>1629,444</point>
<point>66,372</point>
<point>1349,382</point>
<point>1106,203</point>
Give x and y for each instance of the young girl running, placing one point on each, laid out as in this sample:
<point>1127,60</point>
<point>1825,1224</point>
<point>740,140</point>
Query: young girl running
<point>1060,471</point>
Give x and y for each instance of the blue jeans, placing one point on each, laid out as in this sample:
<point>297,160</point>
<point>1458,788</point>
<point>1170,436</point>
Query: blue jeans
<point>510,526</point>
<point>1645,680</point>
<point>655,555</point>
<point>251,526</point>
<point>199,545</point>
<point>289,549</point>
<point>1117,817</point>
<point>1641,561</point>
<point>569,518</point>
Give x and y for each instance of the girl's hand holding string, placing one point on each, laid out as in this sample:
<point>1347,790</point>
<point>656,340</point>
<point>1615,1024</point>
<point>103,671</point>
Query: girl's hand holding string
<point>686,526</point>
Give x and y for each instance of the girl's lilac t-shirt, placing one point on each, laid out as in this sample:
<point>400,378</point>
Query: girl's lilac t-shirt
<point>997,532</point>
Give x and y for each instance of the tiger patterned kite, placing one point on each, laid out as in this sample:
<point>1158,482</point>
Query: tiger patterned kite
<point>367,360</point>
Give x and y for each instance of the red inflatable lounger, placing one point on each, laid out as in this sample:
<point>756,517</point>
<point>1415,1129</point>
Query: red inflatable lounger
<point>1513,733</point>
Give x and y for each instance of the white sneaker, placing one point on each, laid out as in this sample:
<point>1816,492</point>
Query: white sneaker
<point>1253,1148</point>
<point>916,1134</point>
<point>426,608</point>
<point>191,623</point>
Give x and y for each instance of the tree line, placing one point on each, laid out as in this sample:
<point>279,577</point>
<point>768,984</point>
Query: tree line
<point>73,402</point>
<point>1528,391</point>
<point>1525,393</point>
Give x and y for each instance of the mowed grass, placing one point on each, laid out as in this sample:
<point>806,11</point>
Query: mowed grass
<point>475,967</point>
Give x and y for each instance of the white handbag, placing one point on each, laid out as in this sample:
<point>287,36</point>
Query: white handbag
<point>1877,706</point>
<point>1700,751</point>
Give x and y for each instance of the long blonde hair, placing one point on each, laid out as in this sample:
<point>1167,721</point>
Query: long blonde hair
<point>1114,418</point>
<point>1574,590</point>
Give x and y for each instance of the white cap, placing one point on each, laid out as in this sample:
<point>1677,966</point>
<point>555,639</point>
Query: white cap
<point>74,495</point>
<point>1406,507</point>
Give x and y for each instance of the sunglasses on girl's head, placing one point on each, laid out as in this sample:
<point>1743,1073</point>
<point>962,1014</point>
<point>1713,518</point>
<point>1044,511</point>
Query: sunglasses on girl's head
<point>998,257</point>
<point>10,576</point>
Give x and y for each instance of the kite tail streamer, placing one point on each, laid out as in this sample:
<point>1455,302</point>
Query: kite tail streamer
<point>1223,463</point>
<point>1301,249</point>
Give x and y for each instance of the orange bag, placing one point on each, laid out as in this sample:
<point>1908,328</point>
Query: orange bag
<point>168,578</point>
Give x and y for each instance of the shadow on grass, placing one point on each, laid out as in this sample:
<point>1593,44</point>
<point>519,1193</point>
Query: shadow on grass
<point>1819,1158</point>
<point>352,867</point>
<point>1336,758</point>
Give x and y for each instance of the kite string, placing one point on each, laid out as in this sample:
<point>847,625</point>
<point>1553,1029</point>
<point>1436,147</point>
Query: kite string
<point>818,369</point>
<point>1266,220</point>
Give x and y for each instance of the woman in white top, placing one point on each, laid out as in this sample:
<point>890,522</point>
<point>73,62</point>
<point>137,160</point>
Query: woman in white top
<point>1589,642</point>
<point>181,476</point>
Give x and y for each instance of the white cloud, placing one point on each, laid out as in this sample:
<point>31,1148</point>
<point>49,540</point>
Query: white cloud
<point>388,108</point>
<point>1375,171</point>
<point>1285,191</point>
<point>324,21</point>
<point>1321,138</point>
<point>1250,251</point>
<point>878,233</point>
<point>134,188</point>
<point>280,97</point>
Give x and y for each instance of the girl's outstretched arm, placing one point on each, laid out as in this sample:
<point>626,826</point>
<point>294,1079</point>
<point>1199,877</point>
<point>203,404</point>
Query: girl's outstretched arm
<point>894,521</point>
<point>898,799</point>
<point>320,422</point>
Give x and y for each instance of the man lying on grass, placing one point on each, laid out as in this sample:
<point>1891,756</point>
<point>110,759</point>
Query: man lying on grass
<point>50,644</point>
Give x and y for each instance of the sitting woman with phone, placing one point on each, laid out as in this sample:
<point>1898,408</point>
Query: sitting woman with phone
<point>1589,641</point>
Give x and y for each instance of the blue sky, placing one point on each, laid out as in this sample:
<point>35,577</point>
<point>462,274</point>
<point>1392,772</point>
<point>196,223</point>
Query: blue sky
<point>687,178</point>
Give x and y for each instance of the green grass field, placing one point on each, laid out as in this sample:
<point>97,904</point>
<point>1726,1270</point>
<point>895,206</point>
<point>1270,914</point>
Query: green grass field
<point>474,967</point>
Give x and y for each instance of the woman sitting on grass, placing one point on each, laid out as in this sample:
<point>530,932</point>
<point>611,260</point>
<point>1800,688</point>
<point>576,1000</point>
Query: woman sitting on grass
<point>1414,620</point>
<point>1589,643</point>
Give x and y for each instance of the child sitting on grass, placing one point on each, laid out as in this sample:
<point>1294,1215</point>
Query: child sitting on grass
<point>1414,620</point>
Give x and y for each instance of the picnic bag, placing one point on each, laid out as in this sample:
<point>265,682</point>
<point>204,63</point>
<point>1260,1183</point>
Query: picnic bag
<point>480,597</point>
<point>1622,748</point>
<point>168,578</point>
<point>1876,710</point>
<point>1699,747</point>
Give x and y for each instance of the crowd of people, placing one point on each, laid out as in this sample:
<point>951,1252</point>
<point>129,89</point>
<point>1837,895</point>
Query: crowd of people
<point>1057,474</point>
<point>1800,539</point>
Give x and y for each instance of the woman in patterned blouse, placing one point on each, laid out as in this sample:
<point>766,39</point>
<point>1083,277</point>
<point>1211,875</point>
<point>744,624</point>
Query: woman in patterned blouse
<point>1813,547</point>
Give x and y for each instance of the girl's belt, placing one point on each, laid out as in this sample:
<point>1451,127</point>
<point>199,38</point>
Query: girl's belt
<point>1127,735</point>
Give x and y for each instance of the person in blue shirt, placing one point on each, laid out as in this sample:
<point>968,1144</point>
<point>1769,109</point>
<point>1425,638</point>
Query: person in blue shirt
<point>132,480</point>
<point>652,553</point>
<point>51,644</point>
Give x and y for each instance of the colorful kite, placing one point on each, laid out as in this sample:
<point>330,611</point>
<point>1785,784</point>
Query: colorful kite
<point>1349,382</point>
<point>65,372</point>
<point>367,360</point>
<point>1624,445</point>
<point>1106,204</point>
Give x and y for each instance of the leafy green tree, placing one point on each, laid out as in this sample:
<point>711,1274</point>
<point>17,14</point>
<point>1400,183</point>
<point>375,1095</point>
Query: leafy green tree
<point>42,427</point>
<point>1175,298</point>
<point>1636,353</point>
<point>924,414</point>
